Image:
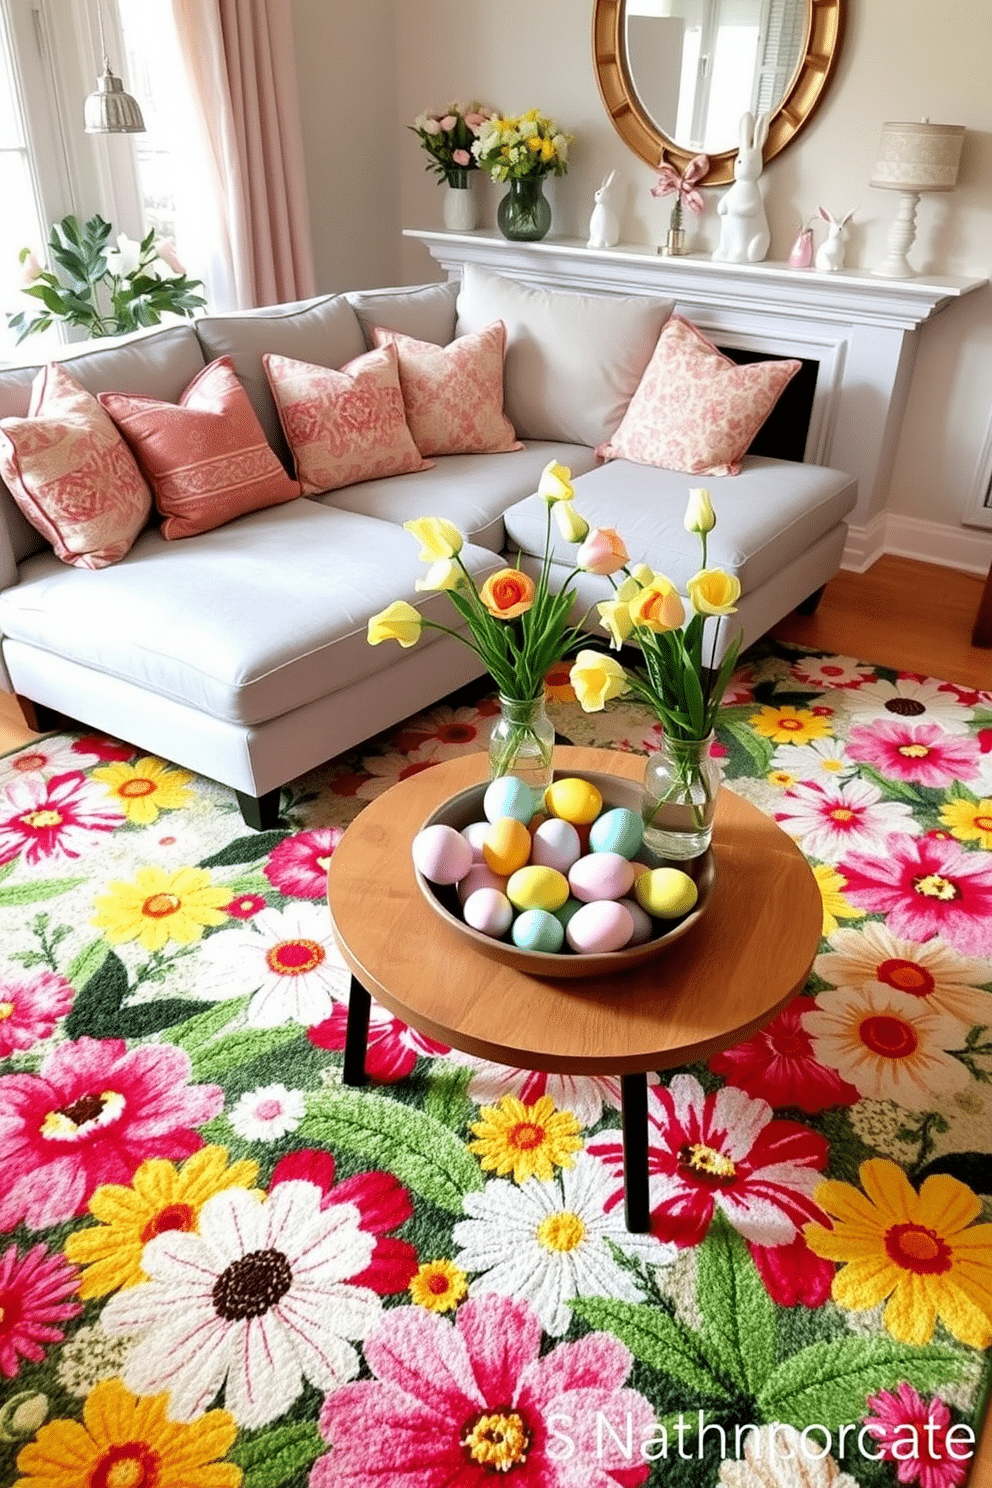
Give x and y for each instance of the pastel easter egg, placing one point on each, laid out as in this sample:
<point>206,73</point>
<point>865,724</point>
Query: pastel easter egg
<point>508,796</point>
<point>602,875</point>
<point>534,887</point>
<point>441,854</point>
<point>619,830</point>
<point>666,893</point>
<point>640,868</point>
<point>506,846</point>
<point>574,800</point>
<point>537,930</point>
<point>643,923</point>
<point>602,926</point>
<point>568,909</point>
<point>488,911</point>
<point>474,834</point>
<point>480,876</point>
<point>556,845</point>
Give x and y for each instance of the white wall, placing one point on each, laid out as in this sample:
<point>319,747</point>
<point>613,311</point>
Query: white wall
<point>900,59</point>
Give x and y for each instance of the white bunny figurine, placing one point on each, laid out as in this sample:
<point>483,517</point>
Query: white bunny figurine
<point>744,234</point>
<point>830,254</point>
<point>604,224</point>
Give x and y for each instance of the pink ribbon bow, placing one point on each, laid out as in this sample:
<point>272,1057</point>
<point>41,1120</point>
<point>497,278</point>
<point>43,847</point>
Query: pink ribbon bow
<point>683,185</point>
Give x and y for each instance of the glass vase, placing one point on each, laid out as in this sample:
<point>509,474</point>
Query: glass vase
<point>522,742</point>
<point>458,207</point>
<point>681,780</point>
<point>524,214</point>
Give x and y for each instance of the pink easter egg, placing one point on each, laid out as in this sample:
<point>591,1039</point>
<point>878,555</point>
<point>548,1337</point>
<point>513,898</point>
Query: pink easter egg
<point>603,925</point>
<point>480,876</point>
<point>473,834</point>
<point>604,875</point>
<point>488,911</point>
<point>643,923</point>
<point>441,854</point>
<point>556,845</point>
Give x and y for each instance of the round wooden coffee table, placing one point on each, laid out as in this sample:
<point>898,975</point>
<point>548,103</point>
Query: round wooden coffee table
<point>734,970</point>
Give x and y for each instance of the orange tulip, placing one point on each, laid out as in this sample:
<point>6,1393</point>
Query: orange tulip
<point>507,593</point>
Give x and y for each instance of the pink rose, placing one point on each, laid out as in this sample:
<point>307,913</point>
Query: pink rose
<point>461,157</point>
<point>603,552</point>
<point>449,121</point>
<point>473,120</point>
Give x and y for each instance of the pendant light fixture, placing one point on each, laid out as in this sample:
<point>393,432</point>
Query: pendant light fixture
<point>110,110</point>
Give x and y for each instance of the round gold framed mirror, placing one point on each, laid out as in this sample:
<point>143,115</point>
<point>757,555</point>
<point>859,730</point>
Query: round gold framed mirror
<point>676,75</point>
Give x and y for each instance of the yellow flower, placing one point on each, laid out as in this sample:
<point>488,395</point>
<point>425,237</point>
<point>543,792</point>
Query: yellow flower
<point>781,777</point>
<point>439,1286</point>
<point>640,577</point>
<point>439,538</point>
<point>970,821</point>
<point>615,617</point>
<point>699,514</point>
<point>507,593</point>
<point>125,1442</point>
<point>657,606</point>
<point>788,725</point>
<point>144,789</point>
<point>161,1197</point>
<point>555,483</point>
<point>397,622</point>
<point>596,678</point>
<point>573,527</point>
<point>714,592</point>
<point>444,574</point>
<point>527,1141</point>
<point>835,907</point>
<point>157,907</point>
<point>919,1250</point>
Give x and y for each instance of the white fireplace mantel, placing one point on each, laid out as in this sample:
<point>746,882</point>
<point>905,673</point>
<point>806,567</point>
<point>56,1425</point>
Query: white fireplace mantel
<point>862,330</point>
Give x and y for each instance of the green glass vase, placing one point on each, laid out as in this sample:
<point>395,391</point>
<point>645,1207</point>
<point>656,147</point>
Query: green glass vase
<point>524,214</point>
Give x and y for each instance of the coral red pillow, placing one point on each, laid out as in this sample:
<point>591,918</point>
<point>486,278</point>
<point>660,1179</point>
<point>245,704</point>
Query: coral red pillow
<point>453,395</point>
<point>344,425</point>
<point>71,473</point>
<point>694,409</point>
<point>206,456</point>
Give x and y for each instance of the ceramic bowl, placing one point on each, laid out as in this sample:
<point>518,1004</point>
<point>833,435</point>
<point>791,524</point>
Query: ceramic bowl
<point>465,807</point>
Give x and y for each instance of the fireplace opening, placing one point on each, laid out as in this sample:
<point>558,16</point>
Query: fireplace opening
<point>783,434</point>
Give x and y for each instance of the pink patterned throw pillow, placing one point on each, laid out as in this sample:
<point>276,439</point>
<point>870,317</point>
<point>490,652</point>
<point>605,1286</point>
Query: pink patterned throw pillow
<point>206,456</point>
<point>694,409</point>
<point>453,394</point>
<point>345,425</point>
<point>71,473</point>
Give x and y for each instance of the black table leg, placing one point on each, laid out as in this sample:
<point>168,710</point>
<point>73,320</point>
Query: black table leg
<point>634,1114</point>
<point>356,1034</point>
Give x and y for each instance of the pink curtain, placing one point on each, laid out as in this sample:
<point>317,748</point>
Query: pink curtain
<point>239,54</point>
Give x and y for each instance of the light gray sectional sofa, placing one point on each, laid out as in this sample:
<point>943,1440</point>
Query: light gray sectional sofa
<point>241,653</point>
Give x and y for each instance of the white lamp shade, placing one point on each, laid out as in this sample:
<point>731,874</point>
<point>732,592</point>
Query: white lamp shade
<point>110,110</point>
<point>918,157</point>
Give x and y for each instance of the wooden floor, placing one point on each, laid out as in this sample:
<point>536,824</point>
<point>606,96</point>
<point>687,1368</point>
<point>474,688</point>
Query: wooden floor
<point>904,614</point>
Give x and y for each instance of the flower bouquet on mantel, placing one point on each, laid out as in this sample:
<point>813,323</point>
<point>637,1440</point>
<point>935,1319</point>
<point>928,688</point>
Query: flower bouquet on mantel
<point>518,626</point>
<point>677,682</point>
<point>521,152</point>
<point>448,136</point>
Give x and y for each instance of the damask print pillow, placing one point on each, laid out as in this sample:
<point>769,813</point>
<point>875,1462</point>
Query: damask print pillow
<point>453,395</point>
<point>694,409</point>
<point>344,425</point>
<point>206,456</point>
<point>71,473</point>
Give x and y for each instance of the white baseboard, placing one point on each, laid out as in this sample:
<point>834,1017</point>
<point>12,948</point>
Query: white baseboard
<point>912,537</point>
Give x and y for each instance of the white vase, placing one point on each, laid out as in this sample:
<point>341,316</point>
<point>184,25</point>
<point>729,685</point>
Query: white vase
<point>458,208</point>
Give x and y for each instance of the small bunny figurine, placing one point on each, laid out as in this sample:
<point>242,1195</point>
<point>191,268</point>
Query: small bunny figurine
<point>744,234</point>
<point>604,224</point>
<point>830,254</point>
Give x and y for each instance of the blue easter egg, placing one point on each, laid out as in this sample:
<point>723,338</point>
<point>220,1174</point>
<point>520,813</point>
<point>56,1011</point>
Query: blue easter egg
<point>508,796</point>
<point>619,831</point>
<point>537,930</point>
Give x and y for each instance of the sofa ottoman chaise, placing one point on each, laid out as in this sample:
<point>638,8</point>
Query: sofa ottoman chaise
<point>241,652</point>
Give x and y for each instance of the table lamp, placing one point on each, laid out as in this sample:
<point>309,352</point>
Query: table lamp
<point>913,158</point>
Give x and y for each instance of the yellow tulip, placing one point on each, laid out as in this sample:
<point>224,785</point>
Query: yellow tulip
<point>615,617</point>
<point>445,574</point>
<point>397,622</point>
<point>642,575</point>
<point>699,514</point>
<point>658,606</point>
<point>714,592</point>
<point>555,483</point>
<point>596,678</point>
<point>573,527</point>
<point>440,538</point>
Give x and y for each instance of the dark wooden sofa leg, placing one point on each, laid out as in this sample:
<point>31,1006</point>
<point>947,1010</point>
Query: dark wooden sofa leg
<point>39,717</point>
<point>260,812</point>
<point>809,604</point>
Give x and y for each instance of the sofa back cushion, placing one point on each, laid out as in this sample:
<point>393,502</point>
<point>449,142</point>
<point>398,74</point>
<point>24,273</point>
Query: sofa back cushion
<point>324,331</point>
<point>573,361</point>
<point>71,473</point>
<point>206,456</point>
<point>424,311</point>
<point>344,425</point>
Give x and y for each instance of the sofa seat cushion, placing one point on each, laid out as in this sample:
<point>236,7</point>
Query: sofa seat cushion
<point>766,516</point>
<point>473,491</point>
<point>244,623</point>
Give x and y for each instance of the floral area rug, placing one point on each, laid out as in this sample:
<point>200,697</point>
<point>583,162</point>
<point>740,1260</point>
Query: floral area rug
<point>218,1265</point>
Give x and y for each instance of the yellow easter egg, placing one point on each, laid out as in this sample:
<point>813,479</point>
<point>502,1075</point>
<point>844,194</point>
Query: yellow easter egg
<point>506,845</point>
<point>574,800</point>
<point>535,887</point>
<point>666,893</point>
